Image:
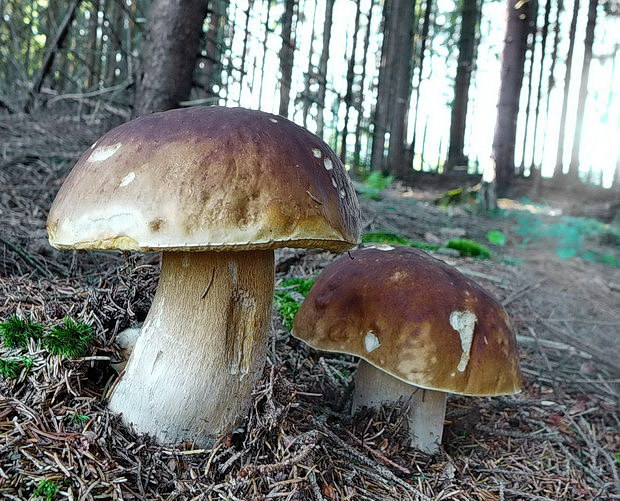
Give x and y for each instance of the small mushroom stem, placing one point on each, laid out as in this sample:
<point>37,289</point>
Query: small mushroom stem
<point>427,408</point>
<point>202,347</point>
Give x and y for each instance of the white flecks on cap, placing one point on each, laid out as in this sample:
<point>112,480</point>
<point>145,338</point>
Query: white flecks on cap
<point>382,247</point>
<point>334,182</point>
<point>127,179</point>
<point>103,152</point>
<point>463,322</point>
<point>273,120</point>
<point>329,165</point>
<point>371,342</point>
<point>343,194</point>
<point>316,152</point>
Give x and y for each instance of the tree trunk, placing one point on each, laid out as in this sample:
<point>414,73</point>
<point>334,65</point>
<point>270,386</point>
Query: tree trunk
<point>573,169</point>
<point>169,54</point>
<point>458,121</point>
<point>308,77</point>
<point>401,96</point>
<point>530,83</point>
<point>287,52</point>
<point>245,45</point>
<point>543,47</point>
<point>348,98</point>
<point>559,159</point>
<point>513,60</point>
<point>424,37</point>
<point>213,45</point>
<point>262,65</point>
<point>327,34</point>
<point>359,97</point>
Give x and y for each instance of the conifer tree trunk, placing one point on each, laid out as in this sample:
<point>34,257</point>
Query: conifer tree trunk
<point>573,170</point>
<point>559,160</point>
<point>424,37</point>
<point>327,34</point>
<point>543,47</point>
<point>513,60</point>
<point>169,54</point>
<point>245,43</point>
<point>348,98</point>
<point>287,52</point>
<point>262,65</point>
<point>213,44</point>
<point>308,77</point>
<point>359,98</point>
<point>458,121</point>
<point>403,52</point>
<point>530,83</point>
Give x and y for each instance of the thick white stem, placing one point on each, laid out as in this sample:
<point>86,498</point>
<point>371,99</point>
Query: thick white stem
<point>202,347</point>
<point>427,408</point>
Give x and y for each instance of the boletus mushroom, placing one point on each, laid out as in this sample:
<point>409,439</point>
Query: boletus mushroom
<point>421,328</point>
<point>216,190</point>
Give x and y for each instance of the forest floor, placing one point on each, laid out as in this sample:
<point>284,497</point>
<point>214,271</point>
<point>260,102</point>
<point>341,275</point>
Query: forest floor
<point>557,276</point>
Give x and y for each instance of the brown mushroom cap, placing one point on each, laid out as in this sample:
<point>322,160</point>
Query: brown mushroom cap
<point>411,316</point>
<point>206,178</point>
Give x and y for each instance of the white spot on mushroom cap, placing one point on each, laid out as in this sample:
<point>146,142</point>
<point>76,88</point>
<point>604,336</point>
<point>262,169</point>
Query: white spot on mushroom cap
<point>334,182</point>
<point>382,247</point>
<point>316,152</point>
<point>463,322</point>
<point>127,179</point>
<point>371,342</point>
<point>329,165</point>
<point>273,120</point>
<point>343,194</point>
<point>104,152</point>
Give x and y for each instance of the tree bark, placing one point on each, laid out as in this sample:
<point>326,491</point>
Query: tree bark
<point>213,45</point>
<point>262,65</point>
<point>458,121</point>
<point>401,95</point>
<point>543,47</point>
<point>169,54</point>
<point>287,52</point>
<point>327,34</point>
<point>348,97</point>
<point>559,159</point>
<point>513,60</point>
<point>573,169</point>
<point>359,97</point>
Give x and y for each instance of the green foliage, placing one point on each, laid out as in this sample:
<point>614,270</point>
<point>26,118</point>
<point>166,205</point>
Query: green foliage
<point>469,248</point>
<point>10,368</point>
<point>617,459</point>
<point>16,331</point>
<point>287,296</point>
<point>375,183</point>
<point>496,237</point>
<point>391,238</point>
<point>456,196</point>
<point>46,489</point>
<point>70,339</point>
<point>80,419</point>
<point>570,235</point>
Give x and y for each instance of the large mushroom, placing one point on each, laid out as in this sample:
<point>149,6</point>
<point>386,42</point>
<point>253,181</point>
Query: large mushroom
<point>421,328</point>
<point>216,190</point>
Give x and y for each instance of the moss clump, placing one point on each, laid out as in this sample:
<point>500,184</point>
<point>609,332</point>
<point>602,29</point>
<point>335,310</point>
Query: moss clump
<point>10,368</point>
<point>70,339</point>
<point>391,238</point>
<point>46,489</point>
<point>16,331</point>
<point>469,248</point>
<point>289,295</point>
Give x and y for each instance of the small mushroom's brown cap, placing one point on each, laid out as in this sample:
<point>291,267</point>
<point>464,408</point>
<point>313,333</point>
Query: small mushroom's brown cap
<point>206,178</point>
<point>415,318</point>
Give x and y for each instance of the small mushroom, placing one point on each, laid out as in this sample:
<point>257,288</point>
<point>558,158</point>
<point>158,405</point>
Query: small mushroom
<point>216,190</point>
<point>421,328</point>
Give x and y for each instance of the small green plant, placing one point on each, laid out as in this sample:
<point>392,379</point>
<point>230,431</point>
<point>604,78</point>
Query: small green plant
<point>496,237</point>
<point>46,489</point>
<point>27,361</point>
<point>287,297</point>
<point>391,238</point>
<point>10,368</point>
<point>80,419</point>
<point>469,248</point>
<point>16,331</point>
<point>374,183</point>
<point>617,459</point>
<point>70,339</point>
